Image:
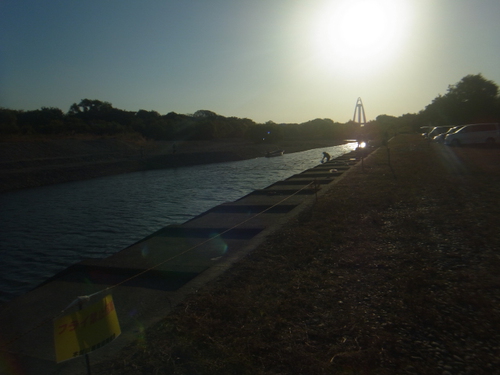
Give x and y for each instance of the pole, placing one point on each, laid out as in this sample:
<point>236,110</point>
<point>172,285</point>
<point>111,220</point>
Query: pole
<point>87,357</point>
<point>389,161</point>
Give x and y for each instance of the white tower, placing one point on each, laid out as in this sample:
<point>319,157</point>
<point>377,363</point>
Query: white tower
<point>360,110</point>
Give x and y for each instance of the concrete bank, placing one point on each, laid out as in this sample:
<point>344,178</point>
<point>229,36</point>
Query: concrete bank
<point>150,277</point>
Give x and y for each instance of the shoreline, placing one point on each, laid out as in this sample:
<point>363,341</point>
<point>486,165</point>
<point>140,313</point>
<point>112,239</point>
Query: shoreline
<point>27,163</point>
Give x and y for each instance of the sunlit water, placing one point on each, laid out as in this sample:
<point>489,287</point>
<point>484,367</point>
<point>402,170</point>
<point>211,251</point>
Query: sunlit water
<point>44,230</point>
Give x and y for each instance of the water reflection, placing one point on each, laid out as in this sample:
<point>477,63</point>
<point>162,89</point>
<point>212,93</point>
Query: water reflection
<point>46,229</point>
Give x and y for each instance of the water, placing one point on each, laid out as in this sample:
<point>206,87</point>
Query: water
<point>44,230</point>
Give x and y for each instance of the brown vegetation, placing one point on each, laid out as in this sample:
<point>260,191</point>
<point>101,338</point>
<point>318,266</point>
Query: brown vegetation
<point>394,271</point>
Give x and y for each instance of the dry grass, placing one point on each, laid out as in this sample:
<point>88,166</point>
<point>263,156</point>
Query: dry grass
<point>393,272</point>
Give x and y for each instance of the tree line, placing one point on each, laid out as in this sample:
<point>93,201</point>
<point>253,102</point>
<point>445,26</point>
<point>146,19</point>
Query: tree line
<point>102,119</point>
<point>473,99</point>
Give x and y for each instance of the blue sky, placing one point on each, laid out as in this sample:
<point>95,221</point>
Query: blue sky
<point>279,60</point>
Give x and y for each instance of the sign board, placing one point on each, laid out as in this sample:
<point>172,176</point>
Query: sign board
<point>86,330</point>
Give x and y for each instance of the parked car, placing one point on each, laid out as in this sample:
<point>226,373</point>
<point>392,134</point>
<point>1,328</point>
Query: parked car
<point>474,134</point>
<point>436,131</point>
<point>440,137</point>
<point>425,130</point>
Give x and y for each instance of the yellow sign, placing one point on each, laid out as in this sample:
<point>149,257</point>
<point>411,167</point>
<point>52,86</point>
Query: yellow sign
<point>86,330</point>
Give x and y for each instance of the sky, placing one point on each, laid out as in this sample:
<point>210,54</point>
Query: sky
<point>287,61</point>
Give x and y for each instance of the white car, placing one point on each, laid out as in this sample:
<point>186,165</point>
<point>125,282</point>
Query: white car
<point>436,131</point>
<point>440,138</point>
<point>474,134</point>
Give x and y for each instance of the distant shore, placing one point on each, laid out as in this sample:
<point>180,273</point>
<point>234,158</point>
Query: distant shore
<point>33,163</point>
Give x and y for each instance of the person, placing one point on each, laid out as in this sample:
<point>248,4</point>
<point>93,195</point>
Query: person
<point>326,156</point>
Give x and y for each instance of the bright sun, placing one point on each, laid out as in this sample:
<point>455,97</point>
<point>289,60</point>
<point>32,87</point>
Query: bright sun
<point>360,34</point>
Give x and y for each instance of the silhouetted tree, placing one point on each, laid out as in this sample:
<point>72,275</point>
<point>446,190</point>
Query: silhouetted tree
<point>8,121</point>
<point>387,124</point>
<point>90,106</point>
<point>47,120</point>
<point>476,98</point>
<point>147,115</point>
<point>204,113</point>
<point>473,99</point>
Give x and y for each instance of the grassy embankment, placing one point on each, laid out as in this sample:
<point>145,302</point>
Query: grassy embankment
<point>395,271</point>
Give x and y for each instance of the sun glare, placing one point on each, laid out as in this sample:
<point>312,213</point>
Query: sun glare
<point>360,34</point>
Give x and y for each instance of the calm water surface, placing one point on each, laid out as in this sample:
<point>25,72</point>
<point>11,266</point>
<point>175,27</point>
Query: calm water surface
<point>44,230</point>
